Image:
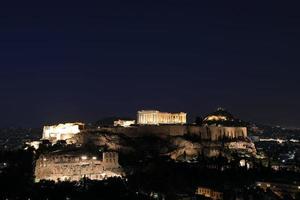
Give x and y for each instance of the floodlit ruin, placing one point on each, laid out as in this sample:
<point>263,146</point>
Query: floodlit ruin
<point>155,117</point>
<point>62,131</point>
<point>73,166</point>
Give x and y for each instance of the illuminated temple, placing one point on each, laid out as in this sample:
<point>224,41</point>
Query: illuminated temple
<point>154,117</point>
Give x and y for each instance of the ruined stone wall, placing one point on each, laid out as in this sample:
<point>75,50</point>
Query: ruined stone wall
<point>216,133</point>
<point>212,133</point>
<point>74,167</point>
<point>110,160</point>
<point>61,131</point>
<point>138,131</point>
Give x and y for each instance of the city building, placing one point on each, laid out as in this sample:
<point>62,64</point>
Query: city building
<point>209,193</point>
<point>155,117</point>
<point>280,189</point>
<point>74,165</point>
<point>124,123</point>
<point>61,131</point>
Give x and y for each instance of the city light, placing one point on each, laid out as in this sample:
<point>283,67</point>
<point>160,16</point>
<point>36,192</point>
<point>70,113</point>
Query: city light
<point>83,157</point>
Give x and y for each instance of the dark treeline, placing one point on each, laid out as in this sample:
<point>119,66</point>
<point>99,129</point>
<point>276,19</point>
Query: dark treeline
<point>155,175</point>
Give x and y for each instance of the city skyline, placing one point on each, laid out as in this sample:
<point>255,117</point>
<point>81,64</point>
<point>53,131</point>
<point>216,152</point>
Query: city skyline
<point>63,62</point>
<point>149,100</point>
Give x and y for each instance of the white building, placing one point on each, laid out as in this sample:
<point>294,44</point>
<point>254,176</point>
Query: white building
<point>124,123</point>
<point>62,131</point>
<point>154,117</point>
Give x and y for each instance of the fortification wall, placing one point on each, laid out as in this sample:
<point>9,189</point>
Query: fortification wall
<point>138,131</point>
<point>213,133</point>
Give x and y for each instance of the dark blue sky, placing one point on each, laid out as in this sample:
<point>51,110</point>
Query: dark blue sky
<point>84,60</point>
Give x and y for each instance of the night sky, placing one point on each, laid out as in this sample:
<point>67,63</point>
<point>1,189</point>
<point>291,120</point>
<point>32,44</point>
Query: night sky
<point>84,60</point>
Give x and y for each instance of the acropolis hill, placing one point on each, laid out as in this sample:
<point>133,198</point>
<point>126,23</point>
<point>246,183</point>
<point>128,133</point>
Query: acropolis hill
<point>158,124</point>
<point>152,134</point>
<point>218,131</point>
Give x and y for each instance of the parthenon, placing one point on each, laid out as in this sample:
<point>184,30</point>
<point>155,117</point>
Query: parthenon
<point>154,117</point>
